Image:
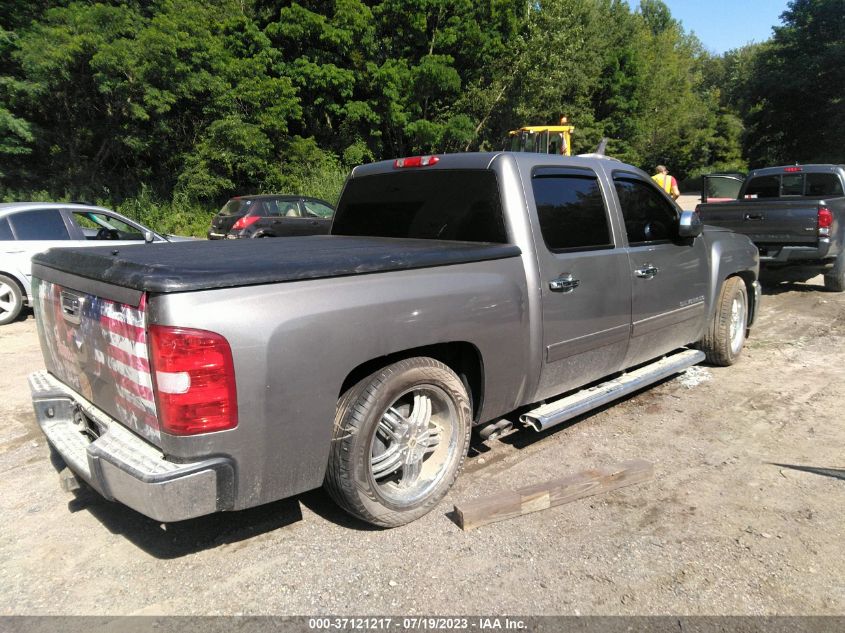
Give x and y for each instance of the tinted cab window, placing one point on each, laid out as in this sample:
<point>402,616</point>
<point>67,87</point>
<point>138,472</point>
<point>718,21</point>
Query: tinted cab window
<point>648,215</point>
<point>571,209</point>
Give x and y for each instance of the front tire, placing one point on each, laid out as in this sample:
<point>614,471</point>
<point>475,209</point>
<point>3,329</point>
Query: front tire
<point>11,300</point>
<point>400,438</point>
<point>725,335</point>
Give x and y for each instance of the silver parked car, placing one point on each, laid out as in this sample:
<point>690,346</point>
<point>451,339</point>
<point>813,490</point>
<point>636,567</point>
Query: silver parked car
<point>27,228</point>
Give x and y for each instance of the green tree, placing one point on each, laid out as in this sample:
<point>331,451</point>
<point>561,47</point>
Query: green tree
<point>16,134</point>
<point>124,96</point>
<point>797,111</point>
<point>134,99</point>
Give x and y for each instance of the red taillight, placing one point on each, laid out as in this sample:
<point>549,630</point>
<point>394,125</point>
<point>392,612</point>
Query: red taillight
<point>825,221</point>
<point>792,170</point>
<point>245,221</point>
<point>194,380</point>
<point>825,218</point>
<point>416,161</point>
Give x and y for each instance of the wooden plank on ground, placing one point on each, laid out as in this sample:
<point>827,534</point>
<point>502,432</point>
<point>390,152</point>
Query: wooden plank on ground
<point>513,503</point>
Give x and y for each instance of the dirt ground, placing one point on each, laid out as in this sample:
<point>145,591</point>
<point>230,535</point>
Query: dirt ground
<point>745,515</point>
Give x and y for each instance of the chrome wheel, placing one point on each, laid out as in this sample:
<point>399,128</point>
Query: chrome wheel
<point>737,323</point>
<point>7,299</point>
<point>399,440</point>
<point>414,444</point>
<point>11,300</point>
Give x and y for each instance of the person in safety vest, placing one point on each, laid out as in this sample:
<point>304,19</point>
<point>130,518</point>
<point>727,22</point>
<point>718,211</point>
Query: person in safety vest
<point>666,182</point>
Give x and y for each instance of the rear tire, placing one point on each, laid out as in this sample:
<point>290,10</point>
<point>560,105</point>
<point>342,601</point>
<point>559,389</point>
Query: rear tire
<point>722,342</point>
<point>399,441</point>
<point>11,300</point>
<point>834,281</point>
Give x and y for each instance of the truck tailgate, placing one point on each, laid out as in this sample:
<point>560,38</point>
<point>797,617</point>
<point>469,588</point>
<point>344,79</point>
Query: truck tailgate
<point>775,222</point>
<point>98,347</point>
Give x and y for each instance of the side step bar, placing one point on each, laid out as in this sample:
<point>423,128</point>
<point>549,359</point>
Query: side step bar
<point>571,406</point>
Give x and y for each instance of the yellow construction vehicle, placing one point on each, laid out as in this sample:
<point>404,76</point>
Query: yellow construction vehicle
<point>544,139</point>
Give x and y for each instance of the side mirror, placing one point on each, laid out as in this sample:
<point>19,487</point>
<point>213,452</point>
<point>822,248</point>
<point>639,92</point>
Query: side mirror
<point>689,225</point>
<point>148,236</point>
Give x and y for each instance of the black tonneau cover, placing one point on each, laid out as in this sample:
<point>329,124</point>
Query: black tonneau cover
<point>202,265</point>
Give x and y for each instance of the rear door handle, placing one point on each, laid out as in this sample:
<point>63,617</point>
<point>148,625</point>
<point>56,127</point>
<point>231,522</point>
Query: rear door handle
<point>753,216</point>
<point>564,283</point>
<point>648,271</point>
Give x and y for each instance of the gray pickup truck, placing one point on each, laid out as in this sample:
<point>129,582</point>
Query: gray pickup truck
<point>796,217</point>
<point>452,291</point>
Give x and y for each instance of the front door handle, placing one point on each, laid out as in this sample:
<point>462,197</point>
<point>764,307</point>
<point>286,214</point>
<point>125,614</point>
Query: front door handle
<point>753,216</point>
<point>648,271</point>
<point>564,283</point>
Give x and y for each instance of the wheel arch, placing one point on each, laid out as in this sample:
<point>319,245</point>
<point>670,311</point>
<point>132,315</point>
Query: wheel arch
<point>460,356</point>
<point>733,255</point>
<point>748,279</point>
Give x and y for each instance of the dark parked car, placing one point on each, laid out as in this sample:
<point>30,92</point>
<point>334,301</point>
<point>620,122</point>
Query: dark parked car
<point>271,216</point>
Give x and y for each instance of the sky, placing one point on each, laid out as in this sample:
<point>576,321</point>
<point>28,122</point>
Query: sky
<point>725,24</point>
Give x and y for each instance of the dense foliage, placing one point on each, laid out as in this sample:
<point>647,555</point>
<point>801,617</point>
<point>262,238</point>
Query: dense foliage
<point>789,91</point>
<point>164,108</point>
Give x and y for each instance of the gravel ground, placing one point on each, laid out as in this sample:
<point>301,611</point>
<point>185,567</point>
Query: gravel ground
<point>745,514</point>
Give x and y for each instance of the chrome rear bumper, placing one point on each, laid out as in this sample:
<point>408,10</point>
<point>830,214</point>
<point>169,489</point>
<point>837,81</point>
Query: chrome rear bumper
<point>123,467</point>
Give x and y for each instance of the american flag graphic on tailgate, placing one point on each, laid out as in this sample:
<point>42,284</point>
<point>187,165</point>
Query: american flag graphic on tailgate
<point>99,348</point>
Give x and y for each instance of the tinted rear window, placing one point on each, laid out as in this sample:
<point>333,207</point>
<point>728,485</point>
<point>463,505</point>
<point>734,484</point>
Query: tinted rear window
<point>813,185</point>
<point>763,187</point>
<point>40,224</point>
<point>823,185</point>
<point>5,231</point>
<point>236,206</point>
<point>792,185</point>
<point>459,205</point>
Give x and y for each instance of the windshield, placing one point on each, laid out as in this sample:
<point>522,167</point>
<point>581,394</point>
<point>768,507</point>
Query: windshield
<point>461,205</point>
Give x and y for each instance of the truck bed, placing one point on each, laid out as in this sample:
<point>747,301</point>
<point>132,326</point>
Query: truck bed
<point>203,265</point>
